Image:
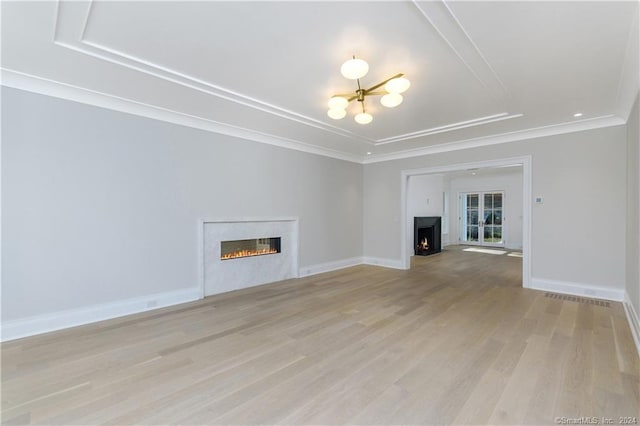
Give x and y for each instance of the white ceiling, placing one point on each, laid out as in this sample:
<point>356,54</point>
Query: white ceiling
<point>481,72</point>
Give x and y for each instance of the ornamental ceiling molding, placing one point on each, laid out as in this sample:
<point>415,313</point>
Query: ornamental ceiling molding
<point>73,18</point>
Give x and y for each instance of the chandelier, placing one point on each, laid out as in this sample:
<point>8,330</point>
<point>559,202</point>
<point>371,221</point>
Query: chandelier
<point>355,69</point>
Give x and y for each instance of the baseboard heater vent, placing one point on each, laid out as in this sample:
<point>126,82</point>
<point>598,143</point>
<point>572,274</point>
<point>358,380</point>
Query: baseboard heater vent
<point>578,299</point>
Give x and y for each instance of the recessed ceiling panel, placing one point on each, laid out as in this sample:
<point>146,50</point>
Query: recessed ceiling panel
<point>556,57</point>
<point>288,54</point>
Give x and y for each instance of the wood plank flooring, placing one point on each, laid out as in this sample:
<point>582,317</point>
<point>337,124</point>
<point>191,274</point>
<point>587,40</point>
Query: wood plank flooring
<point>455,340</point>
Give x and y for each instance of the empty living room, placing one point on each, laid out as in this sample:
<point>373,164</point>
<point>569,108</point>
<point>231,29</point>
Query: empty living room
<point>320,212</point>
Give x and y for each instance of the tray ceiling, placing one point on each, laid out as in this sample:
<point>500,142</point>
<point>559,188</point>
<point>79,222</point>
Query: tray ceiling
<point>481,72</point>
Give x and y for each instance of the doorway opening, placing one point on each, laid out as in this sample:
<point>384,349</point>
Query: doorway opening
<point>488,205</point>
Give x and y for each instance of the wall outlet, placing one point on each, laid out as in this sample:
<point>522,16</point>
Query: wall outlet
<point>538,200</point>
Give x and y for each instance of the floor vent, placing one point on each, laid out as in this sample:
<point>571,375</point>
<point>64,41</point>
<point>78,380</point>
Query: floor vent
<point>578,299</point>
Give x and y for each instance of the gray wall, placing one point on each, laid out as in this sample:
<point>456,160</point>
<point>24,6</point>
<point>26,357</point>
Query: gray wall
<point>577,234</point>
<point>633,208</point>
<point>101,206</point>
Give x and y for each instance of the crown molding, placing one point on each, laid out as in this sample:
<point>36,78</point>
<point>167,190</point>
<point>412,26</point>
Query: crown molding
<point>449,127</point>
<point>71,23</point>
<point>71,27</point>
<point>135,63</point>
<point>138,64</point>
<point>538,132</point>
<point>23,81</point>
<point>30,83</point>
<point>69,32</point>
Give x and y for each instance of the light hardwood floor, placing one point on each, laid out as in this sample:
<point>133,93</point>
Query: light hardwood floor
<point>454,340</point>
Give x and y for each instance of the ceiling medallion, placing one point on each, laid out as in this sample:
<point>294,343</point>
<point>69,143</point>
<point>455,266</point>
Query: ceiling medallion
<point>355,69</point>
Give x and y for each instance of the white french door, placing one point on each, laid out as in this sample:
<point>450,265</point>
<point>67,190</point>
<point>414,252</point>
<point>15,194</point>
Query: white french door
<point>481,218</point>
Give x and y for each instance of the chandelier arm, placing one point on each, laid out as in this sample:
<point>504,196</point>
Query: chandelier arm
<point>382,92</point>
<point>372,88</point>
<point>348,96</point>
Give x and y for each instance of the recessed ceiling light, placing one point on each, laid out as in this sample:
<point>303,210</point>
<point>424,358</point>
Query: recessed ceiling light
<point>577,114</point>
<point>368,152</point>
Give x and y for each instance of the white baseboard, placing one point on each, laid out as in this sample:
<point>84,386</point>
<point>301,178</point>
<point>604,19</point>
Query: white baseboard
<point>633,319</point>
<point>319,268</point>
<point>577,289</point>
<point>387,263</point>
<point>70,318</point>
<point>45,323</point>
<point>306,271</point>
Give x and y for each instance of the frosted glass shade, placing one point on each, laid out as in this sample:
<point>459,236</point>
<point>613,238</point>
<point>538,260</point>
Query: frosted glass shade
<point>354,69</point>
<point>363,118</point>
<point>391,100</point>
<point>338,102</point>
<point>397,85</point>
<point>336,113</point>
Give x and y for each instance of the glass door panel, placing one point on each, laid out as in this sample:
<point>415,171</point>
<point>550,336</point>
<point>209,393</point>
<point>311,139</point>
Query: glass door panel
<point>472,214</point>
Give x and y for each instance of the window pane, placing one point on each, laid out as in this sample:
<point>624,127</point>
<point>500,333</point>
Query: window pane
<point>488,201</point>
<point>472,217</point>
<point>497,217</point>
<point>488,233</point>
<point>497,234</point>
<point>472,233</point>
<point>488,217</point>
<point>497,200</point>
<point>472,200</point>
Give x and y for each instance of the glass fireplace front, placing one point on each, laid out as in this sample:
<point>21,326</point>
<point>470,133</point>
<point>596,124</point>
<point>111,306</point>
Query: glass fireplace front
<point>248,248</point>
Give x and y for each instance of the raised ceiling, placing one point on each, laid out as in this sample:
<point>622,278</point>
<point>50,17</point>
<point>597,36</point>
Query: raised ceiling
<point>481,72</point>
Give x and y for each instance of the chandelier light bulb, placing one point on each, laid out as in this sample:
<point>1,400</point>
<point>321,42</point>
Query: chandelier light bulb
<point>336,113</point>
<point>363,118</point>
<point>338,102</point>
<point>391,100</point>
<point>397,85</point>
<point>354,69</point>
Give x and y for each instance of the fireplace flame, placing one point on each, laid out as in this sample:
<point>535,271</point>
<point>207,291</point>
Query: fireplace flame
<point>247,253</point>
<point>424,244</point>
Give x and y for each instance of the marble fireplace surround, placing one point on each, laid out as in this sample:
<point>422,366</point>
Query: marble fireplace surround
<point>221,276</point>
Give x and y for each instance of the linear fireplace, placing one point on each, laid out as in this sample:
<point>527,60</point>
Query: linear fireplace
<point>246,248</point>
<point>427,235</point>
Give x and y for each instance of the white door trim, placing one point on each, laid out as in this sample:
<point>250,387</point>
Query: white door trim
<point>524,161</point>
